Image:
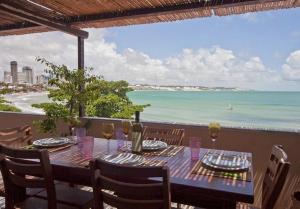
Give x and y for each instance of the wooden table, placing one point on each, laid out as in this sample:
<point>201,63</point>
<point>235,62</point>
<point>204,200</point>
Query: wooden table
<point>71,165</point>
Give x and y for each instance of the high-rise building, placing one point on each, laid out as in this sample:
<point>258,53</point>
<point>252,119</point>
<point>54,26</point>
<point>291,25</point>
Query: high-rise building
<point>28,74</point>
<point>42,79</point>
<point>14,71</point>
<point>22,78</point>
<point>7,77</point>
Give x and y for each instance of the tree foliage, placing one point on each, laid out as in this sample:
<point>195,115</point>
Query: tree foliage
<point>70,88</point>
<point>9,108</point>
<point>4,105</point>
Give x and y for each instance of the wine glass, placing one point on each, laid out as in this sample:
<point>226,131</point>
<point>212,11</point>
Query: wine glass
<point>108,130</point>
<point>126,126</point>
<point>214,130</point>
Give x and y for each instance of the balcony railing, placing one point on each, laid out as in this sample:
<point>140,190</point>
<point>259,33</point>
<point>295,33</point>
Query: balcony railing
<point>258,142</point>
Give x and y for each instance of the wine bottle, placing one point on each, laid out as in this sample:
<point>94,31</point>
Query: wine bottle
<point>137,131</point>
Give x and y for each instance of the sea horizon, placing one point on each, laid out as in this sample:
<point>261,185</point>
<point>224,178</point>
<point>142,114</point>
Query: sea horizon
<point>261,110</point>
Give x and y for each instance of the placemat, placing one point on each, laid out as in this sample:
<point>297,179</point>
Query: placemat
<point>199,169</point>
<point>170,151</point>
<point>53,149</point>
<point>152,162</point>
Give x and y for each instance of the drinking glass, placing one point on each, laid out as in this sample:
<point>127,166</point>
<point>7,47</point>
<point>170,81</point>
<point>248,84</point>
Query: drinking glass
<point>120,137</point>
<point>195,144</point>
<point>77,132</point>
<point>108,130</point>
<point>80,132</point>
<point>86,146</point>
<point>126,126</point>
<point>214,130</point>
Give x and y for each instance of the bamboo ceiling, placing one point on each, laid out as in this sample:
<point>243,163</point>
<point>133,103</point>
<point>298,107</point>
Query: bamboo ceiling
<point>109,13</point>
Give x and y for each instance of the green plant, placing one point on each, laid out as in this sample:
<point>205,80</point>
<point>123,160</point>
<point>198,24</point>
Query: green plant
<point>4,105</point>
<point>71,88</point>
<point>9,108</point>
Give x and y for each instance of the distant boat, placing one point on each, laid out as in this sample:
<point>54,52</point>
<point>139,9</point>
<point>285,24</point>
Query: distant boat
<point>229,107</point>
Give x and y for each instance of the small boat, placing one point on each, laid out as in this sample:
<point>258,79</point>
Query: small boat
<point>229,107</point>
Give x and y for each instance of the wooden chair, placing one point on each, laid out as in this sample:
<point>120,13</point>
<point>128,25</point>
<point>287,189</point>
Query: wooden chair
<point>274,178</point>
<point>171,136</point>
<point>129,187</point>
<point>19,173</point>
<point>16,137</point>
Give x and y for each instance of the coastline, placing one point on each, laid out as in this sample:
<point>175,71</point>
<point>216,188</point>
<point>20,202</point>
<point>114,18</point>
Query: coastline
<point>23,101</point>
<point>20,100</point>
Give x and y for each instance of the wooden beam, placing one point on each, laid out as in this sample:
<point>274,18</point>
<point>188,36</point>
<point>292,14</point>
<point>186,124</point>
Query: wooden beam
<point>17,26</point>
<point>81,67</point>
<point>80,53</point>
<point>36,19</point>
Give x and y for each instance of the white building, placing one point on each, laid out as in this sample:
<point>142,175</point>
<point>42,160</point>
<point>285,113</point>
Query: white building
<point>7,78</point>
<point>42,79</point>
<point>22,78</point>
<point>28,74</point>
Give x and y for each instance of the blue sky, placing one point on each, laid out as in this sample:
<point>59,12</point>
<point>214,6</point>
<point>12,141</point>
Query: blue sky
<point>252,51</point>
<point>270,35</point>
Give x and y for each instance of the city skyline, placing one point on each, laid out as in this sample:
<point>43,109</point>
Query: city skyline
<point>14,76</point>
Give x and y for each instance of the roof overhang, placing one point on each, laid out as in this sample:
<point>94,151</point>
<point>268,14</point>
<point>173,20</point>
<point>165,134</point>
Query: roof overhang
<point>30,16</point>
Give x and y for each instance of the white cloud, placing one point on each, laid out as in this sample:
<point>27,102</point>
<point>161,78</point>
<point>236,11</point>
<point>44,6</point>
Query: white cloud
<point>291,70</point>
<point>213,66</point>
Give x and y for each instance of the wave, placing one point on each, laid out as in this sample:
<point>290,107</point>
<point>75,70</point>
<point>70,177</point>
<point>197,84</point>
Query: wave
<point>27,108</point>
<point>23,101</point>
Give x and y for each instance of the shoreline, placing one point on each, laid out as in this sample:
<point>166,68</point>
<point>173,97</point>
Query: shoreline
<point>24,106</point>
<point>20,100</point>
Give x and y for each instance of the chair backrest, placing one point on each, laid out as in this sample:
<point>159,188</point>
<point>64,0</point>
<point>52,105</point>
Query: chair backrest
<point>129,186</point>
<point>275,177</point>
<point>23,169</point>
<point>16,137</point>
<point>171,136</point>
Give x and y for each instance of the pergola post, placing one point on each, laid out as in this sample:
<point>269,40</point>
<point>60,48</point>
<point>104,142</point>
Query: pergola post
<point>81,66</point>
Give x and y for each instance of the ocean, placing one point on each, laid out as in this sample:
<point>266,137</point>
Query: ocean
<point>243,109</point>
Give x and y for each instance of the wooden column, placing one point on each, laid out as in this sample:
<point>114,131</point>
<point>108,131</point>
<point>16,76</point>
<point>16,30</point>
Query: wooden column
<point>81,66</point>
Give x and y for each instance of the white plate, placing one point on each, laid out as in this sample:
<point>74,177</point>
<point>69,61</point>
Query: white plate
<point>226,162</point>
<point>150,145</point>
<point>124,158</point>
<point>51,142</point>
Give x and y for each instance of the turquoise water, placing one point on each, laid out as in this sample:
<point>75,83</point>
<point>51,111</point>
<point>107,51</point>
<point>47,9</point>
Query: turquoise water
<point>251,109</point>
